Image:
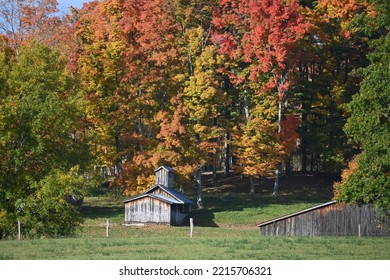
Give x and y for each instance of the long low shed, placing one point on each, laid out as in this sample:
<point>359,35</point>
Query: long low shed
<point>330,218</point>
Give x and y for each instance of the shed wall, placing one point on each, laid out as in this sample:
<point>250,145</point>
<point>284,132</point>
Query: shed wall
<point>162,192</point>
<point>335,219</point>
<point>147,210</point>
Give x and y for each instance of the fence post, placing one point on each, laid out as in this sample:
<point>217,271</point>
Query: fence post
<point>191,226</point>
<point>359,234</point>
<point>19,230</point>
<point>107,226</point>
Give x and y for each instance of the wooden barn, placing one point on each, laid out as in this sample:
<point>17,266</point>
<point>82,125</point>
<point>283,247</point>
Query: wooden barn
<point>160,203</point>
<point>329,219</point>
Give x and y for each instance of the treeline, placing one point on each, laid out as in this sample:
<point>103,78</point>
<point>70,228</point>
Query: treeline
<point>121,87</point>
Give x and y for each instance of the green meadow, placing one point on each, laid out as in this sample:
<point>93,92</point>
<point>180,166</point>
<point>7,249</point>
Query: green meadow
<point>164,243</point>
<point>225,229</point>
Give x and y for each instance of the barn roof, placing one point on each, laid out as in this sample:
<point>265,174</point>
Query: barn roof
<point>297,213</point>
<point>178,198</point>
<point>164,198</point>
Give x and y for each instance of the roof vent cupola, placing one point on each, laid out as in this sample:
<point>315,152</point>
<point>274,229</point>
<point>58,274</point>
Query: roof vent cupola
<point>164,176</point>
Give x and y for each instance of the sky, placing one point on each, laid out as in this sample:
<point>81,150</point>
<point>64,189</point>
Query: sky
<point>64,5</point>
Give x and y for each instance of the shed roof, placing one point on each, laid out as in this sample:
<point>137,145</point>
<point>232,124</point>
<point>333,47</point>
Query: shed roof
<point>297,213</point>
<point>178,197</point>
<point>165,198</point>
<point>167,168</point>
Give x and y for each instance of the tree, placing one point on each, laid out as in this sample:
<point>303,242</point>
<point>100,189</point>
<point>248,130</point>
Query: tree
<point>39,132</point>
<point>205,101</point>
<point>10,20</point>
<point>139,64</point>
<point>178,62</point>
<point>47,212</point>
<point>24,20</point>
<point>97,62</point>
<point>368,179</point>
<point>325,82</point>
<point>260,36</point>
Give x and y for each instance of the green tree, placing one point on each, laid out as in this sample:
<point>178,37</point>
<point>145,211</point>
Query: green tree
<point>369,123</point>
<point>40,131</point>
<point>326,81</point>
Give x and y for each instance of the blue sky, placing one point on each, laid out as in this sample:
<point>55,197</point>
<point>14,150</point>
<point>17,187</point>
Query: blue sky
<point>64,5</point>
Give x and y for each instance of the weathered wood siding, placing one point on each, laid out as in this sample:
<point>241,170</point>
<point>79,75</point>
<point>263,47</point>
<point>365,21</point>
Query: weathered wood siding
<point>160,191</point>
<point>148,210</point>
<point>165,177</point>
<point>335,219</point>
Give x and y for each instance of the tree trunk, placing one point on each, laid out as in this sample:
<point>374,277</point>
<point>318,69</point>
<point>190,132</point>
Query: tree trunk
<point>280,116</point>
<point>312,162</point>
<point>252,184</point>
<point>246,110</point>
<point>199,187</point>
<point>288,165</point>
<point>118,163</point>
<point>303,154</point>
<point>227,154</point>
<point>276,184</point>
<point>215,160</point>
<point>246,106</point>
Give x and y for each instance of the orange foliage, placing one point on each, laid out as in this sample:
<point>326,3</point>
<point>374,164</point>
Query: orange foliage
<point>289,136</point>
<point>264,33</point>
<point>352,167</point>
<point>38,21</point>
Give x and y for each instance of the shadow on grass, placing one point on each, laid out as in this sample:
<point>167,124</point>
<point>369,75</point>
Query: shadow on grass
<point>236,203</point>
<point>202,218</point>
<point>102,204</point>
<point>98,212</point>
<point>231,195</point>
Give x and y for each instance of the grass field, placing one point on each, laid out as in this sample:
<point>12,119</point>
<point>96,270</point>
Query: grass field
<point>225,229</point>
<point>207,244</point>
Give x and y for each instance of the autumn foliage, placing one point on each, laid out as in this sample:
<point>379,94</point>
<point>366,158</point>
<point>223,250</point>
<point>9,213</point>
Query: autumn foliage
<point>232,85</point>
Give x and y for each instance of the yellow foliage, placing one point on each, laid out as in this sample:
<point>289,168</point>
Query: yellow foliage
<point>258,150</point>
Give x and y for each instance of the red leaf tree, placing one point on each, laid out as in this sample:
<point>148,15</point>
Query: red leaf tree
<point>260,36</point>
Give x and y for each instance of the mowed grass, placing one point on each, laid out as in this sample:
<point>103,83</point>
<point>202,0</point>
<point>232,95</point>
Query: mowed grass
<point>224,229</point>
<point>165,243</point>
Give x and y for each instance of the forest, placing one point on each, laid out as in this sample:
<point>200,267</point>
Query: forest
<point>111,91</point>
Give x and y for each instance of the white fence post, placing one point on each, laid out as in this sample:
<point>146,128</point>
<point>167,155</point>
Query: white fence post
<point>19,230</point>
<point>107,226</point>
<point>191,226</point>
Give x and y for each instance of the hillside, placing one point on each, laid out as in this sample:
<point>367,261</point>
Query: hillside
<point>228,203</point>
<point>296,185</point>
